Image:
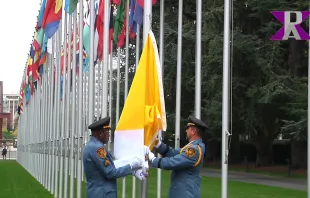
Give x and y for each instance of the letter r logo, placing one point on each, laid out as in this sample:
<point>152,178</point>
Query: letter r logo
<point>290,26</point>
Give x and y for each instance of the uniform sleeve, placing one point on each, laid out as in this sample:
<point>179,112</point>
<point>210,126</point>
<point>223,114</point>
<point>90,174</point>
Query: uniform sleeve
<point>187,158</point>
<point>167,151</point>
<point>105,166</point>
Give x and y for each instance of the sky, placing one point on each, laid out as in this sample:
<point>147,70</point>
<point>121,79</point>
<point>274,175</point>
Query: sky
<point>18,20</point>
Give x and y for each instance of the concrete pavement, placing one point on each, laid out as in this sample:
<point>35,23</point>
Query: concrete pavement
<point>296,184</point>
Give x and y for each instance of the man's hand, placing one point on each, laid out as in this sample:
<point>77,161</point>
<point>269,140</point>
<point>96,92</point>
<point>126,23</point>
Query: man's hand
<point>157,143</point>
<point>136,163</point>
<point>141,174</point>
<point>151,156</point>
<point>147,152</point>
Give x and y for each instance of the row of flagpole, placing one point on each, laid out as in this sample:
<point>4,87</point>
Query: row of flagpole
<point>52,112</point>
<point>53,130</point>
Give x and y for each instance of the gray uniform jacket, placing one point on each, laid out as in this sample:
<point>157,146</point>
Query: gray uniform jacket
<point>100,171</point>
<point>185,164</point>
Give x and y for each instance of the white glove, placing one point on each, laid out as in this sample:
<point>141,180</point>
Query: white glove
<point>151,156</point>
<point>136,163</point>
<point>147,151</point>
<point>140,174</point>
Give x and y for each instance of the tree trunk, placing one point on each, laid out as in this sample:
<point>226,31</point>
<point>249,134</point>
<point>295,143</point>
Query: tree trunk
<point>264,151</point>
<point>294,60</point>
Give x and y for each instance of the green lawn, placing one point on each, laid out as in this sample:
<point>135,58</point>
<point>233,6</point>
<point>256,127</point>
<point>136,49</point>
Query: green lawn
<point>15,182</point>
<point>211,187</point>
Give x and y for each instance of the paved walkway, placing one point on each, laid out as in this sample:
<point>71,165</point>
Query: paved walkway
<point>297,184</point>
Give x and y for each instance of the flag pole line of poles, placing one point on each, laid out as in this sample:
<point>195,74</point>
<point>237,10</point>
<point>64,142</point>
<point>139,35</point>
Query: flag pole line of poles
<point>53,124</point>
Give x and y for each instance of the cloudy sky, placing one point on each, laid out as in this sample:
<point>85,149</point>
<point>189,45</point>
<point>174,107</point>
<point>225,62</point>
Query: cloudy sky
<point>18,19</point>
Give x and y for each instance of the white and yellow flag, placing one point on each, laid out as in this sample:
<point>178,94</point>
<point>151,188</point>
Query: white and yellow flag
<point>144,114</point>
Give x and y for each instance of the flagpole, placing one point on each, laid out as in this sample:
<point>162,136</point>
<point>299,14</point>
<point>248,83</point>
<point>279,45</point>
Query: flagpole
<point>126,75</point>
<point>161,55</point>
<point>58,136</point>
<point>33,130</point>
<point>68,115</point>
<point>51,87</point>
<point>105,57</point>
<point>91,67</point>
<point>73,107</point>
<point>147,24</point>
<point>118,86</point>
<point>126,85</point>
<point>52,112</point>
<point>38,130</point>
<point>45,124</point>
<point>137,45</point>
<point>52,120</point>
<point>134,181</point>
<point>55,165</point>
<point>62,139</point>
<point>308,147</point>
<point>198,61</point>
<point>147,19</point>
<point>110,88</point>
<point>127,49</point>
<point>179,75</point>
<point>80,101</point>
<point>41,128</point>
<point>225,110</point>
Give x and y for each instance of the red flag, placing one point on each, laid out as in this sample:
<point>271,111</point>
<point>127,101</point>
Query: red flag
<point>99,26</point>
<point>100,29</point>
<point>50,20</point>
<point>141,2</point>
<point>117,2</point>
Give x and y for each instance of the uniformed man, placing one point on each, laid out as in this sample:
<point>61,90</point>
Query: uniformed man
<point>101,173</point>
<point>185,162</point>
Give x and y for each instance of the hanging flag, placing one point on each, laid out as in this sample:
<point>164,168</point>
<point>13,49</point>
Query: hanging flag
<point>99,27</point>
<point>58,6</point>
<point>28,95</point>
<point>43,56</point>
<point>135,17</point>
<point>117,2</point>
<point>51,20</point>
<point>70,6</point>
<point>21,96</point>
<point>111,27</point>
<point>38,41</point>
<point>141,3</point>
<point>144,113</point>
<point>86,32</point>
<point>41,13</point>
<point>29,66</point>
<point>121,37</point>
<point>132,24</point>
<point>35,66</point>
<point>119,21</point>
